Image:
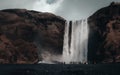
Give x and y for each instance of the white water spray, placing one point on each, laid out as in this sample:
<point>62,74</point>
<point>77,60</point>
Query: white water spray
<point>75,48</point>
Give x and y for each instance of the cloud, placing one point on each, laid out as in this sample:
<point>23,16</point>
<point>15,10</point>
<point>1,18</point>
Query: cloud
<point>7,4</point>
<point>69,9</point>
<point>80,9</point>
<point>44,6</point>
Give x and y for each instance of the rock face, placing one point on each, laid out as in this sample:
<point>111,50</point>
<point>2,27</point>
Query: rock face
<point>24,33</point>
<point>104,37</point>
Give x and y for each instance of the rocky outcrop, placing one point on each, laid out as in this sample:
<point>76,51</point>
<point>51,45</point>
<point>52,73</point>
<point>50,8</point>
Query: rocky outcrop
<point>24,33</point>
<point>104,37</point>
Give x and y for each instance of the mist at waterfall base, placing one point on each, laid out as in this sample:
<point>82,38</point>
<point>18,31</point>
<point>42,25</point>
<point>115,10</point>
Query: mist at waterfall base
<point>75,46</point>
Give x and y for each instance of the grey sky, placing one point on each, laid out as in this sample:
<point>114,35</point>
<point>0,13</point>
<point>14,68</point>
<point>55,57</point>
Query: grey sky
<point>69,9</point>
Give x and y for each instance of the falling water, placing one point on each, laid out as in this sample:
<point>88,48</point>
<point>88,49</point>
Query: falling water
<point>75,42</point>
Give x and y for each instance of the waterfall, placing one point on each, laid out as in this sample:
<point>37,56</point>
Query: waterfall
<point>75,46</point>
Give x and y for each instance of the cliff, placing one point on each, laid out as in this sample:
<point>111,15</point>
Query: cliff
<point>104,37</point>
<point>26,36</point>
<point>25,33</point>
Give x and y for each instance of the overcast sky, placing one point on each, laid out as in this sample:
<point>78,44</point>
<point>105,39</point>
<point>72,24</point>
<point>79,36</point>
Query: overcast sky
<point>69,9</point>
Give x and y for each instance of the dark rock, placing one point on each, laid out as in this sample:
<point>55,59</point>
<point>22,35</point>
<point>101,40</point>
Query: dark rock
<point>104,37</point>
<point>23,32</point>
